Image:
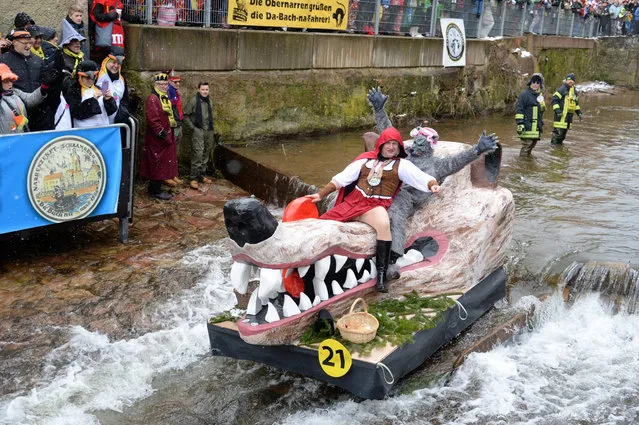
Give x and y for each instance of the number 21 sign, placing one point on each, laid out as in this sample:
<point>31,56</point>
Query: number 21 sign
<point>334,358</point>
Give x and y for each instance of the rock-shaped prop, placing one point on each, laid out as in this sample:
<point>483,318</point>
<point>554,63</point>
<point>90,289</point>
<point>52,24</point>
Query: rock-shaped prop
<point>248,221</point>
<point>455,240</point>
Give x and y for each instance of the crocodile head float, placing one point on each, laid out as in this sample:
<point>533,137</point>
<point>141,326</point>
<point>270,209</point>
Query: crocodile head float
<point>453,241</point>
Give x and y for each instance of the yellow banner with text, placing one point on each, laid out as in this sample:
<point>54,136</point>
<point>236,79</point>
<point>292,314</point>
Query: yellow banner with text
<point>327,14</point>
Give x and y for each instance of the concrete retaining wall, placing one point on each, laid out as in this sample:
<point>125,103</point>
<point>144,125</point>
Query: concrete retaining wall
<point>197,49</point>
<point>272,83</point>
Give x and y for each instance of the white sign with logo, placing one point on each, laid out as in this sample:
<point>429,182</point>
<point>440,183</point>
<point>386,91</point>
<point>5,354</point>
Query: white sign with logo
<point>454,42</point>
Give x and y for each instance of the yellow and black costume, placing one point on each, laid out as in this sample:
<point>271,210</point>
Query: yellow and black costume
<point>565,103</point>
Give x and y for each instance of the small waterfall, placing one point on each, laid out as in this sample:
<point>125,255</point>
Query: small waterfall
<point>617,283</point>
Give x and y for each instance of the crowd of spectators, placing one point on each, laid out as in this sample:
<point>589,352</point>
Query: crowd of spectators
<point>49,82</point>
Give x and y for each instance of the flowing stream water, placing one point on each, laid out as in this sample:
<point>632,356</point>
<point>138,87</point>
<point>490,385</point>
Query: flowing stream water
<point>578,363</point>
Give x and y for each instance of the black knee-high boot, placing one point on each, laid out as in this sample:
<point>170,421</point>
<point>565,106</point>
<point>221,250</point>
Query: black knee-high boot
<point>381,262</point>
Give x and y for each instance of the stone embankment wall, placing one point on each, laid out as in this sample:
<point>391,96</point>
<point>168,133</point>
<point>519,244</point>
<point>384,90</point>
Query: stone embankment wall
<point>272,84</point>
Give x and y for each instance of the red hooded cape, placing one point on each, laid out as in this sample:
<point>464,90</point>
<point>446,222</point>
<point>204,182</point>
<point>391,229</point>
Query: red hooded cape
<point>391,133</point>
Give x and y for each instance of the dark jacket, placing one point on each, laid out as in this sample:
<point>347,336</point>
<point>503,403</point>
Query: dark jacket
<point>27,68</point>
<point>529,112</point>
<point>563,108</point>
<point>84,109</point>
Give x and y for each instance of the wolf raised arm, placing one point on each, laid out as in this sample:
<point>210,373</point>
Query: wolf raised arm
<point>422,154</point>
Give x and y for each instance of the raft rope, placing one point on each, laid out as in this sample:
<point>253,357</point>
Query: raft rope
<point>461,308</point>
<point>385,368</point>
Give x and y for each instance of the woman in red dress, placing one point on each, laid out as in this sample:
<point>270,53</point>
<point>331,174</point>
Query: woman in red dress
<point>367,187</point>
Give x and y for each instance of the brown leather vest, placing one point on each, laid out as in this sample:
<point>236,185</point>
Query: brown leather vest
<point>388,186</point>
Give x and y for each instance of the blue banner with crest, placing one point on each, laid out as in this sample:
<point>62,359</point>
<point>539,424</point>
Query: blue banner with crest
<point>58,176</point>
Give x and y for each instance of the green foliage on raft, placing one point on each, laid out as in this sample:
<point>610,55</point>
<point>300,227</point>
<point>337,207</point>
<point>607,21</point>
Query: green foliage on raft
<point>399,320</point>
<point>226,316</point>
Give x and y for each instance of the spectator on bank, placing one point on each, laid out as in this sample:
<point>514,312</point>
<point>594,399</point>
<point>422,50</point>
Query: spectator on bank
<point>50,47</point>
<point>199,116</point>
<point>36,34</point>
<point>365,15</point>
<point>21,62</point>
<point>176,102</point>
<point>72,54</point>
<point>43,115</point>
<point>178,114</point>
<point>89,106</point>
<point>111,76</point>
<point>615,10</point>
<point>159,154</point>
<point>14,103</point>
<point>74,21</point>
<point>106,16</point>
<point>604,17</point>
<point>22,21</point>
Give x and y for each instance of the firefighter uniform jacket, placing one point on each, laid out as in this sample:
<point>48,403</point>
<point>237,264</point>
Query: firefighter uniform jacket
<point>529,111</point>
<point>565,103</point>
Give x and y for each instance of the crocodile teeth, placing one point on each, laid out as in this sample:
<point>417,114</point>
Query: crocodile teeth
<point>302,270</point>
<point>411,257</point>
<point>290,308</point>
<point>271,314</point>
<point>359,263</point>
<point>366,276</point>
<point>340,260</point>
<point>373,268</point>
<point>322,267</point>
<point>336,288</point>
<point>254,304</point>
<point>316,301</point>
<point>351,280</point>
<point>270,283</point>
<point>240,274</point>
<point>320,289</point>
<point>305,302</point>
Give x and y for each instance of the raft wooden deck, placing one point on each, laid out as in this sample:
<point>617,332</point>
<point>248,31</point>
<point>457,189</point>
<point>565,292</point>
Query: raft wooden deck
<point>371,376</point>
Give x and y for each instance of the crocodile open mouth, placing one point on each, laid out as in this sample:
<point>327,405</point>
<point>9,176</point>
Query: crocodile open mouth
<point>285,294</point>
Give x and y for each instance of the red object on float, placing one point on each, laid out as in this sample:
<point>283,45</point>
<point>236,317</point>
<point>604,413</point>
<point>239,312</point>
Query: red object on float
<point>299,209</point>
<point>293,284</point>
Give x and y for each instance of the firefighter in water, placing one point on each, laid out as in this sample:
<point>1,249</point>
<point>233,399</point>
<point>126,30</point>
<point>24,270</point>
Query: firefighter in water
<point>528,114</point>
<point>565,103</point>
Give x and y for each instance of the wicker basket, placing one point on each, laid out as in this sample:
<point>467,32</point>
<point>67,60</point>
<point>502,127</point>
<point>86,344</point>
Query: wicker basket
<point>358,327</point>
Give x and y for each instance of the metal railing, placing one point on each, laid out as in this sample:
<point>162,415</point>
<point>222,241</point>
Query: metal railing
<point>419,18</point>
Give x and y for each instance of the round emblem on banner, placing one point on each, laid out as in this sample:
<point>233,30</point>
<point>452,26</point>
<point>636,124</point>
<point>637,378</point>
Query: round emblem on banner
<point>454,41</point>
<point>67,178</point>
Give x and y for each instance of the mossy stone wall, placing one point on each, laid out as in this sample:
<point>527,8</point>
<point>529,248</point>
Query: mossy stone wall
<point>272,95</point>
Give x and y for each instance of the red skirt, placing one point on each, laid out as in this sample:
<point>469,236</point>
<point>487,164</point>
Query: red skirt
<point>354,205</point>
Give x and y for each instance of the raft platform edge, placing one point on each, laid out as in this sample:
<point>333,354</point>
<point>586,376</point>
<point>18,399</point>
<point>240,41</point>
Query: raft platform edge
<point>365,379</point>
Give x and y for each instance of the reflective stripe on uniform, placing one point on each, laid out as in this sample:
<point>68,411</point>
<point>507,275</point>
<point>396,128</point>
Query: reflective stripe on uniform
<point>560,124</point>
<point>529,135</point>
